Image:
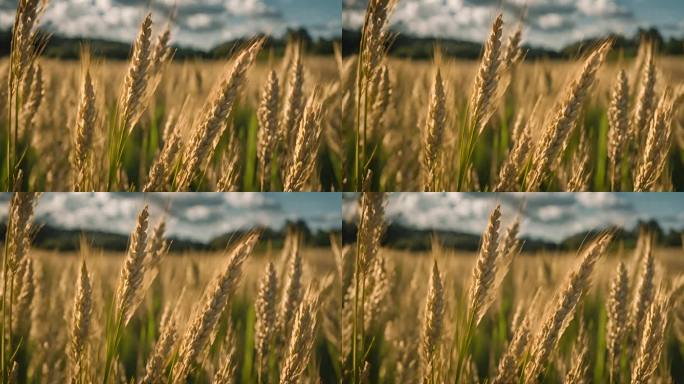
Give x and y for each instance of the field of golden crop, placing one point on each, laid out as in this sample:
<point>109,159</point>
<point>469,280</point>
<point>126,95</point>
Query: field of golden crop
<point>353,312</point>
<point>604,121</point>
<point>176,104</point>
<point>603,314</point>
<point>252,121</point>
<point>153,317</point>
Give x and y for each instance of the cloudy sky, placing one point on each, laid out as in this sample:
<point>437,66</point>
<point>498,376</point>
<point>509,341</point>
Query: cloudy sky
<point>549,23</point>
<point>199,23</point>
<point>548,216</point>
<point>196,216</point>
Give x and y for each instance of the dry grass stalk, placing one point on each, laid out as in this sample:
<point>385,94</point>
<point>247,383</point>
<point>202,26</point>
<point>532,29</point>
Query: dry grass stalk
<point>618,122</point>
<point>137,77</point>
<point>580,172</point>
<point>163,164</point>
<point>294,99</point>
<point>302,339</point>
<point>162,52</point>
<point>154,369</point>
<point>371,227</point>
<point>646,99</point>
<point>484,273</point>
<point>218,107</point>
<point>292,293</point>
<point>513,53</point>
<point>657,146</point>
<point>80,326</point>
<point>511,360</point>
<point>134,269</point>
<point>555,136</point>
<point>510,170</point>
<point>651,341</point>
<point>21,212</point>
<point>24,35</point>
<point>229,360</point>
<point>381,93</point>
<point>85,128</point>
<point>33,98</point>
<point>481,104</point>
<point>644,293</point>
<point>617,308</point>
<point>375,34</point>
<point>230,179</point>
<point>432,325</point>
<point>377,294</point>
<point>265,310</point>
<point>267,116</point>
<point>433,133</point>
<point>219,294</point>
<point>21,318</point>
<point>302,163</point>
<point>557,319</point>
<point>579,370</point>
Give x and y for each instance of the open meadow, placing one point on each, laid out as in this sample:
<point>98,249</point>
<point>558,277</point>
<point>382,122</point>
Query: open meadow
<point>609,312</point>
<point>246,314</point>
<point>255,119</point>
<point>601,119</point>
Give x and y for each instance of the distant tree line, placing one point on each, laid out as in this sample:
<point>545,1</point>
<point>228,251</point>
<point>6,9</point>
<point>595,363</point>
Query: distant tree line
<point>60,239</point>
<point>399,236</point>
<point>407,46</point>
<point>69,48</point>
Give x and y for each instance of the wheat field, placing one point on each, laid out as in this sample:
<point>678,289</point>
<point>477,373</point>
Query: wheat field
<point>181,317</point>
<point>355,312</point>
<point>253,121</point>
<point>607,313</point>
<point>605,121</point>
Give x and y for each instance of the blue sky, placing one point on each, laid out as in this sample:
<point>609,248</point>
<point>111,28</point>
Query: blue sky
<point>550,23</point>
<point>200,23</point>
<point>549,216</point>
<point>196,216</point>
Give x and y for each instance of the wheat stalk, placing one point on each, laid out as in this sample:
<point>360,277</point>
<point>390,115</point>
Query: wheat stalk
<point>267,116</point>
<point>292,294</point>
<point>433,133</point>
<point>213,121</point>
<point>133,270</point>
<point>559,129</point>
<point>656,148</point>
<point>294,98</point>
<point>507,371</point>
<point>617,307</point>
<point>432,325</point>
<point>651,342</point>
<point>265,310</point>
<point>154,369</point>
<point>557,319</point>
<point>646,99</point>
<point>303,160</point>
<point>85,128</point>
<point>485,268</point>
<point>302,339</point>
<point>481,105</point>
<point>80,325</point>
<point>159,172</point>
<point>205,318</point>
<point>137,77</point>
<point>618,123</point>
<point>645,290</point>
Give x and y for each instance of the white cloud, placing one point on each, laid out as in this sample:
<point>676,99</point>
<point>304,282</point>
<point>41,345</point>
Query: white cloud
<point>550,23</point>
<point>197,216</point>
<point>198,23</point>
<point>550,216</point>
